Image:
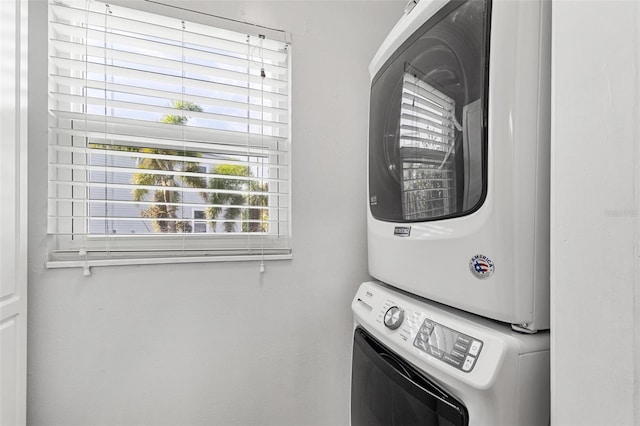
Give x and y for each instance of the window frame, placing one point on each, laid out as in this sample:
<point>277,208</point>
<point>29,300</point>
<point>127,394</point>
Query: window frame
<point>72,249</point>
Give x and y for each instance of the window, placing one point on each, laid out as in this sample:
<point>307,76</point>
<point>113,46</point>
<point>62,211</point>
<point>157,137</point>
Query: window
<point>168,139</point>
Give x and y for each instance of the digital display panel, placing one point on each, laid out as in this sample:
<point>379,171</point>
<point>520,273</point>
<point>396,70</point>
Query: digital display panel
<point>448,345</point>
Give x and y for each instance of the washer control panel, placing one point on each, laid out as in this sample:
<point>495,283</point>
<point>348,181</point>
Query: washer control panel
<point>448,345</point>
<point>422,329</point>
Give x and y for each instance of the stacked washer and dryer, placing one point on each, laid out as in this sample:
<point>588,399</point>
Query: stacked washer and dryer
<point>455,329</point>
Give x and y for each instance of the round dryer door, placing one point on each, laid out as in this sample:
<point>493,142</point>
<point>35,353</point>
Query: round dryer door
<point>427,134</point>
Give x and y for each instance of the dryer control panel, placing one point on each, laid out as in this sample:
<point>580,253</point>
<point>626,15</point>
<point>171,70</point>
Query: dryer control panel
<point>429,331</point>
<point>448,345</point>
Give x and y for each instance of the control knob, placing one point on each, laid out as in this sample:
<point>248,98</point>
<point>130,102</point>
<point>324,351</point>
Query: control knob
<point>393,318</point>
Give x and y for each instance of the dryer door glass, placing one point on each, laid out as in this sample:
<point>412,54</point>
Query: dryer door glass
<point>427,138</point>
<point>386,390</point>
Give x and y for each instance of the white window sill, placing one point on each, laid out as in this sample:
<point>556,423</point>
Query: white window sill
<point>57,264</point>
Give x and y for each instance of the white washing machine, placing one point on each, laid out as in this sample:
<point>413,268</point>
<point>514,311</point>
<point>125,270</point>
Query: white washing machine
<point>416,362</point>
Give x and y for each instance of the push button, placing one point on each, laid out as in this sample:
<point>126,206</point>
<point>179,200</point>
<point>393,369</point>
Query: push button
<point>474,348</point>
<point>460,347</point>
<point>468,363</point>
<point>457,354</point>
<point>464,340</point>
<point>420,344</point>
<point>435,352</point>
<point>423,336</point>
<point>456,362</point>
<point>427,327</point>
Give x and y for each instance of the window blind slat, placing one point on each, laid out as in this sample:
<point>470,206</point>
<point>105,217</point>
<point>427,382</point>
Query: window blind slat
<point>124,129</point>
<point>418,87</point>
<point>159,60</point>
<point>98,55</point>
<point>125,146</point>
<point>173,189</point>
<point>125,170</point>
<point>420,123</point>
<point>124,73</point>
<point>86,102</point>
<point>254,105</point>
<point>223,40</point>
<point>424,134</point>
<point>195,205</point>
<point>64,34</point>
<point>421,143</point>
<point>425,107</point>
<point>177,158</point>
<point>169,219</point>
<point>414,104</point>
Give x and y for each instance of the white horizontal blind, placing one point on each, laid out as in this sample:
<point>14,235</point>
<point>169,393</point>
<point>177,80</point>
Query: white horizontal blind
<point>427,147</point>
<point>167,138</point>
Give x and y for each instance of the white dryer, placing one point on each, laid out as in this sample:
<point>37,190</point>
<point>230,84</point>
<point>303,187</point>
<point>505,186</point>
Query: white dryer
<point>417,363</point>
<point>458,171</point>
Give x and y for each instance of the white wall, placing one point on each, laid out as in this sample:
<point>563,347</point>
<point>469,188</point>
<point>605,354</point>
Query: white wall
<point>595,213</point>
<point>215,344</point>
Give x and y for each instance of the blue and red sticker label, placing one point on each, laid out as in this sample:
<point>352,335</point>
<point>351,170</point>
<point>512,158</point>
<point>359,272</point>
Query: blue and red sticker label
<point>481,266</point>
